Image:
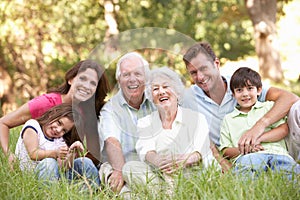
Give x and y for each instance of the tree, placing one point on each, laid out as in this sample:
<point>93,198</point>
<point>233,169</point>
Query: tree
<point>7,100</point>
<point>40,40</point>
<point>263,16</point>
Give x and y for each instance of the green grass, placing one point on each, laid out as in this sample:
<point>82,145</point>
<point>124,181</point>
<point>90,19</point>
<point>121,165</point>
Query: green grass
<point>211,185</point>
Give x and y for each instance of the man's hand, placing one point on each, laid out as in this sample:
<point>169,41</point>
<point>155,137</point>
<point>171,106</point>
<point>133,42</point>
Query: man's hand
<point>249,139</point>
<point>116,181</point>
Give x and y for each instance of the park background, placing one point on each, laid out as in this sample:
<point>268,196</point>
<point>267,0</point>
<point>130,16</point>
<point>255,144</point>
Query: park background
<point>41,40</point>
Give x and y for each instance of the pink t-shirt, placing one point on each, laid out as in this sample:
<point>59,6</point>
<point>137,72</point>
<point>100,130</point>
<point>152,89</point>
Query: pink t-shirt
<point>39,105</point>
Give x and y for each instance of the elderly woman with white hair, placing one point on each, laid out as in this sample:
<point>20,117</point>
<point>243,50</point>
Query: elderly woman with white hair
<point>171,139</point>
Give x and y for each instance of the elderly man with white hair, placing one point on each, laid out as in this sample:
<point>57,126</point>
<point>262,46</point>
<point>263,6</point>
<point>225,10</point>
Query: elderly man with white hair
<point>119,116</point>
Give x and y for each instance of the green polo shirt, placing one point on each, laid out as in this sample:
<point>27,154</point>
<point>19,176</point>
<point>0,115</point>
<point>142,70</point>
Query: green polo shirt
<point>236,123</point>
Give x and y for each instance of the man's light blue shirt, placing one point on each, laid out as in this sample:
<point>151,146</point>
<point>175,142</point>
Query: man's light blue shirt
<point>119,120</point>
<point>197,100</point>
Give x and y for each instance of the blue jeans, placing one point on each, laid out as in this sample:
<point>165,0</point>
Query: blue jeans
<point>254,163</point>
<point>83,167</point>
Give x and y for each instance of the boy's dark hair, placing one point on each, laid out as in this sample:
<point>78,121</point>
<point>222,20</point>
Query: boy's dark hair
<point>245,76</point>
<point>201,47</point>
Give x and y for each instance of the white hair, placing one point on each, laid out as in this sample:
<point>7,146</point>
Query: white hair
<point>173,79</point>
<point>130,55</point>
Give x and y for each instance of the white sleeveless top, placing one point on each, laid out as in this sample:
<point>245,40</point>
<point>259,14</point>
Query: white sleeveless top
<point>44,143</point>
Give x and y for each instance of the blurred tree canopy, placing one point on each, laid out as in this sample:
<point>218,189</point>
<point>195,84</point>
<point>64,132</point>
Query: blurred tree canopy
<point>40,40</point>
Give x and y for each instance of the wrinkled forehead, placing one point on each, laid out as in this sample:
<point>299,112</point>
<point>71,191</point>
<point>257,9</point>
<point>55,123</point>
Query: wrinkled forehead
<point>131,64</point>
<point>161,79</point>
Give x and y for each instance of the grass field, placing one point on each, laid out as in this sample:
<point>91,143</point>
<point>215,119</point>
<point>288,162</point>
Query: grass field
<point>212,185</point>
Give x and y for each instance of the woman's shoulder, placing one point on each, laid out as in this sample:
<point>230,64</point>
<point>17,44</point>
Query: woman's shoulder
<point>39,105</point>
<point>50,97</point>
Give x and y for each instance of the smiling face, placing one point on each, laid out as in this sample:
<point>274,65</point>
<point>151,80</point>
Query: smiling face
<point>84,85</point>
<point>163,94</point>
<point>58,128</point>
<point>246,96</point>
<point>132,80</point>
<point>204,72</point>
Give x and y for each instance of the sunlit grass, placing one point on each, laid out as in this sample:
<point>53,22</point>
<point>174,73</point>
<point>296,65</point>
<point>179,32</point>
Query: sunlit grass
<point>210,185</point>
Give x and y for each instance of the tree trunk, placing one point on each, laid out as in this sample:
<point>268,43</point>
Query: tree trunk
<point>7,97</point>
<point>110,18</point>
<point>263,16</point>
<point>112,30</point>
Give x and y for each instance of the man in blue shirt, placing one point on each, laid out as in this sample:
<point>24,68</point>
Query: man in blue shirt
<point>211,96</point>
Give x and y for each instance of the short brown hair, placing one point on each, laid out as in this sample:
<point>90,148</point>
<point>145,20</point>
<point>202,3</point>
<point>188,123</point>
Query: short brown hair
<point>201,47</point>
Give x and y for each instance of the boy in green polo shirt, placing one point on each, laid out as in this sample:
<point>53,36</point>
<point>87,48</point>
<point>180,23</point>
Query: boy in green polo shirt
<point>270,151</point>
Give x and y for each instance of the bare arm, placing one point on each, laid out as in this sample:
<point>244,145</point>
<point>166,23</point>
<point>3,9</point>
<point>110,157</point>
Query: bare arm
<point>117,161</point>
<point>275,134</point>
<point>153,158</point>
<point>222,160</point>
<point>11,120</point>
<point>231,152</point>
<point>31,143</point>
<point>283,102</point>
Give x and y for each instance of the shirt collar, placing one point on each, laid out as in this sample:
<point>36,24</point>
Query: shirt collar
<point>178,115</point>
<point>201,93</point>
<point>124,102</point>
<point>237,112</point>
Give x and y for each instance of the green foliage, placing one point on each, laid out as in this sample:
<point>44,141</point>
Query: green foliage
<point>40,40</point>
<point>222,23</point>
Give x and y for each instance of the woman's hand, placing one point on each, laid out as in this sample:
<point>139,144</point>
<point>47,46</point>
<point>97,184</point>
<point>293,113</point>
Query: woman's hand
<point>171,164</point>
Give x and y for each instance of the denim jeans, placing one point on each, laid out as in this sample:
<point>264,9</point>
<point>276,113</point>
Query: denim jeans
<point>254,163</point>
<point>83,167</point>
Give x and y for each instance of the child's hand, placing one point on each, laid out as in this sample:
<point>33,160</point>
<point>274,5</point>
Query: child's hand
<point>76,146</point>
<point>257,148</point>
<point>62,152</point>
